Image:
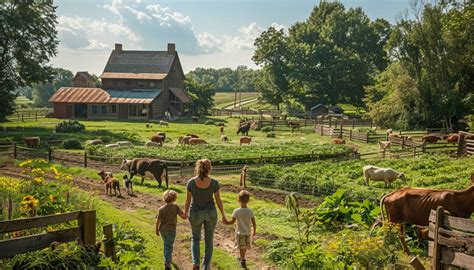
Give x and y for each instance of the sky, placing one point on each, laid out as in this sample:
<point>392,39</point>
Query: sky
<point>207,33</point>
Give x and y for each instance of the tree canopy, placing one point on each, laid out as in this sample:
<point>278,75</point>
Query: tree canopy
<point>43,91</point>
<point>226,79</point>
<point>201,96</point>
<point>28,39</point>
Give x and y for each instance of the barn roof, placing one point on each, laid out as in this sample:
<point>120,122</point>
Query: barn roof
<point>317,106</point>
<point>99,95</point>
<point>180,94</point>
<point>125,62</point>
<point>85,75</point>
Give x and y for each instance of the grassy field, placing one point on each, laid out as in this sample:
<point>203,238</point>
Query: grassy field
<point>223,99</point>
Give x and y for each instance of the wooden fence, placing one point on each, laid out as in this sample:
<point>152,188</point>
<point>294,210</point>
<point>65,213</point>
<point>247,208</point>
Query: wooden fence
<point>453,240</point>
<point>352,135</point>
<point>465,144</point>
<point>30,114</point>
<point>85,232</point>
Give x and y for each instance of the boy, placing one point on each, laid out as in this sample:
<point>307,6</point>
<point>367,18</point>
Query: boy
<point>166,224</point>
<point>128,184</point>
<point>244,216</point>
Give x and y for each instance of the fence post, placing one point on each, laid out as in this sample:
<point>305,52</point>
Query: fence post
<point>85,159</point>
<point>460,145</point>
<point>87,220</point>
<point>22,120</point>
<point>36,116</point>
<point>353,123</point>
<point>322,131</point>
<point>182,167</point>
<point>436,263</point>
<point>329,121</point>
<point>350,134</point>
<point>15,154</point>
<point>403,142</point>
<point>415,263</point>
<point>109,242</point>
<point>50,154</point>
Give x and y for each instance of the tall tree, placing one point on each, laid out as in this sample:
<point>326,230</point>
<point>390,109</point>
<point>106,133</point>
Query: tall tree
<point>28,39</point>
<point>436,50</point>
<point>201,96</point>
<point>43,91</point>
<point>334,54</point>
<point>272,54</point>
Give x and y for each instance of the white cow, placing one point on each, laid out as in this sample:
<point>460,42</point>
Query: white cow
<point>112,145</point>
<point>125,143</point>
<point>381,174</point>
<point>152,144</point>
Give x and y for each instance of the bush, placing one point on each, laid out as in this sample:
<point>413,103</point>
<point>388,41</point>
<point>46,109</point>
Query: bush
<point>72,144</point>
<point>271,135</point>
<point>70,126</point>
<point>209,122</point>
<point>266,129</point>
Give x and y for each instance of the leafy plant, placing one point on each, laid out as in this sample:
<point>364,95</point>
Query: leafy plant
<point>71,144</point>
<point>271,135</point>
<point>266,129</point>
<point>70,126</point>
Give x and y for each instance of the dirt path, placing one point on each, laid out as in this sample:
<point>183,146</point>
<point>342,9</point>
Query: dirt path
<point>223,235</point>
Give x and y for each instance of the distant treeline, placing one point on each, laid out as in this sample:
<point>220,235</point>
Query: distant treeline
<point>226,79</point>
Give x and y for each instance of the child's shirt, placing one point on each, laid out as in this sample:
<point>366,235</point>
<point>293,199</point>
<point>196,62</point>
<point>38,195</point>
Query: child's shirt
<point>243,218</point>
<point>167,214</point>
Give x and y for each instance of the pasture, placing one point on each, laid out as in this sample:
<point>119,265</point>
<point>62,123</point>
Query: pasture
<point>224,99</point>
<point>336,204</point>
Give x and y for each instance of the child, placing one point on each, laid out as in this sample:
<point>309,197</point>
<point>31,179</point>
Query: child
<point>166,224</point>
<point>244,216</point>
<point>128,185</point>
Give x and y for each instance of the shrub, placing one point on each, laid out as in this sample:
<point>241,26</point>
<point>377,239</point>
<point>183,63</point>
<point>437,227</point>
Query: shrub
<point>271,135</point>
<point>70,126</point>
<point>209,122</point>
<point>266,129</point>
<point>72,144</point>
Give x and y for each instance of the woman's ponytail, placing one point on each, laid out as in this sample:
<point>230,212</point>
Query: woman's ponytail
<point>203,168</point>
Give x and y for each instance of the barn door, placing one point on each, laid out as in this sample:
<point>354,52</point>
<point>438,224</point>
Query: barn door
<point>123,111</point>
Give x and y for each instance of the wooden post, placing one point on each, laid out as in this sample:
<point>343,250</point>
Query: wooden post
<point>460,145</point>
<point>350,134</point>
<point>353,123</point>
<point>436,263</point>
<point>36,116</point>
<point>109,242</point>
<point>182,168</point>
<point>85,159</point>
<point>415,262</point>
<point>87,220</point>
<point>22,120</point>
<point>371,123</point>
<point>322,130</point>
<point>414,151</point>
<point>329,121</point>
<point>50,154</point>
<point>403,142</point>
<point>15,154</point>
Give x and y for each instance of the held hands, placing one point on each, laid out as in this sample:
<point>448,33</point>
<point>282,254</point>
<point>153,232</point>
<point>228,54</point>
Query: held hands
<point>224,220</point>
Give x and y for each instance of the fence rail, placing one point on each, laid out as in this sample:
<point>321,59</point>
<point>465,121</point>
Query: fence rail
<point>85,232</point>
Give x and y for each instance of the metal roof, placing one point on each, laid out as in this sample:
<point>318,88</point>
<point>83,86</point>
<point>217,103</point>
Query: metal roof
<point>146,76</point>
<point>180,94</point>
<point>317,106</point>
<point>99,95</point>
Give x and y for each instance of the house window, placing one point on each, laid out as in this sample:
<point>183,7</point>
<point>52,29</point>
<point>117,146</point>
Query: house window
<point>132,110</point>
<point>152,84</point>
<point>113,108</point>
<point>137,110</point>
<point>95,110</point>
<point>103,109</point>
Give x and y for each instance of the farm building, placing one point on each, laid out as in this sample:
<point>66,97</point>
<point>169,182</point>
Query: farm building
<point>318,109</point>
<point>136,85</point>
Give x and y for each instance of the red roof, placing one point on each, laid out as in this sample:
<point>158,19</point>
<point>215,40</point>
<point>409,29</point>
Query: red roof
<point>99,95</point>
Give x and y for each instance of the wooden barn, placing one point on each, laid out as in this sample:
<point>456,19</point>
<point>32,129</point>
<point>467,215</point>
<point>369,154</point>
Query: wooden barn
<point>136,85</point>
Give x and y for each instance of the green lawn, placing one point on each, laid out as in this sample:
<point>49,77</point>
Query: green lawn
<point>223,99</point>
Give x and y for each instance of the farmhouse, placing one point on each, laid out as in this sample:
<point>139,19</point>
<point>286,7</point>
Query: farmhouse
<point>135,85</point>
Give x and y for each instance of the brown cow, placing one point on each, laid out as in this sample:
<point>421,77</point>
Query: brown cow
<point>452,138</point>
<point>246,140</point>
<point>184,140</point>
<point>338,141</point>
<point>158,139</point>
<point>430,139</point>
<point>196,141</point>
<point>294,125</point>
<point>110,183</point>
<point>413,206</point>
<point>32,142</point>
<point>221,128</point>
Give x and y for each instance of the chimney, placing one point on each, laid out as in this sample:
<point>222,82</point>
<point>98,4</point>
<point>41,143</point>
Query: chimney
<point>171,48</point>
<point>118,47</point>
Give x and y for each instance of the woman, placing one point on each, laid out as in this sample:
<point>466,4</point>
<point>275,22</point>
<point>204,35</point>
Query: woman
<point>202,190</point>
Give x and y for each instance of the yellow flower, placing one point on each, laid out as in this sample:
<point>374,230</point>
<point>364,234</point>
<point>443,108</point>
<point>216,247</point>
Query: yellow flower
<point>52,198</point>
<point>29,203</point>
<point>54,170</point>
<point>38,180</point>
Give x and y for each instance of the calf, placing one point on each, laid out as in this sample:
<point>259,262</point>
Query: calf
<point>192,135</point>
<point>196,141</point>
<point>184,140</point>
<point>246,140</point>
<point>224,138</point>
<point>381,174</point>
<point>158,139</point>
<point>383,145</point>
<point>430,139</point>
<point>161,134</point>
<point>110,183</point>
<point>145,167</point>
<point>413,206</point>
<point>148,125</point>
<point>32,142</point>
<point>338,141</point>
